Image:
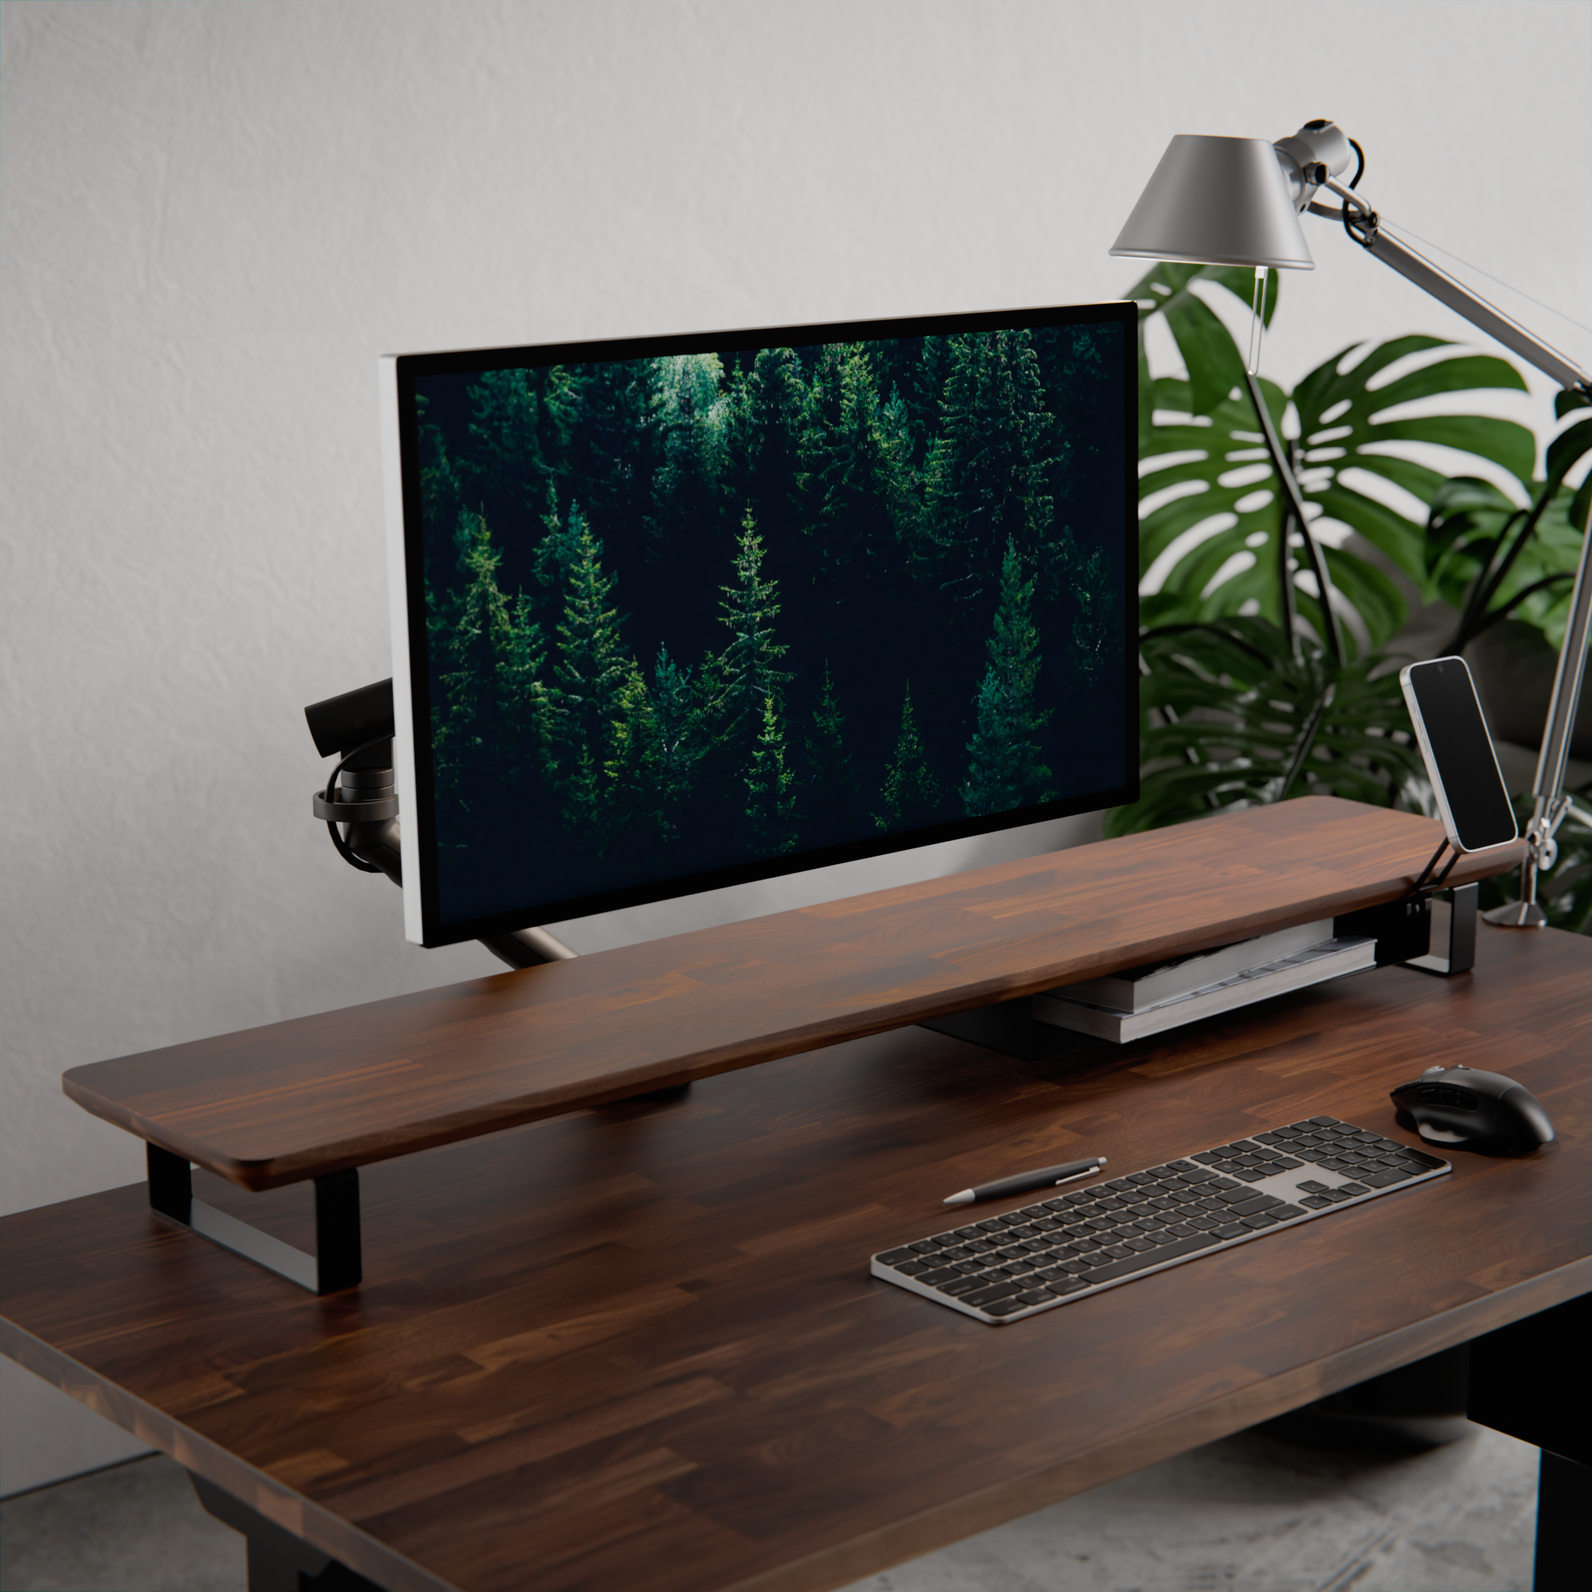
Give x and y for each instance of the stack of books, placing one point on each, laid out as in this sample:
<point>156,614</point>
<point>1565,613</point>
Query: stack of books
<point>1147,1000</point>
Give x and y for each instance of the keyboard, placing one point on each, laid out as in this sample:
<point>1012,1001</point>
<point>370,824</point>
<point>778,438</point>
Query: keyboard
<point>1064,1249</point>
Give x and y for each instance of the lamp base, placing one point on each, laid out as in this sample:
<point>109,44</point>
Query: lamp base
<point>1517,915</point>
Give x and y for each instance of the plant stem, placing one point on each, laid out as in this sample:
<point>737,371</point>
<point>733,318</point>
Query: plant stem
<point>1296,503</point>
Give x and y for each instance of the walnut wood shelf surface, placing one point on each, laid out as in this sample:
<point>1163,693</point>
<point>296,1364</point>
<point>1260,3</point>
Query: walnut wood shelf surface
<point>637,1349</point>
<point>294,1100</point>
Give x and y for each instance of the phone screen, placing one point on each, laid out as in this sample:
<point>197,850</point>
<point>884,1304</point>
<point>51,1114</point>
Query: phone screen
<point>1459,754</point>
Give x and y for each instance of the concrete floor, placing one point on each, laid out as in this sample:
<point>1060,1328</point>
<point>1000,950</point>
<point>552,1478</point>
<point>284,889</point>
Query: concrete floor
<point>1249,1514</point>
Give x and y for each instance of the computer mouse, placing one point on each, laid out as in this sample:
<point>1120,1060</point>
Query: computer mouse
<point>1462,1106</point>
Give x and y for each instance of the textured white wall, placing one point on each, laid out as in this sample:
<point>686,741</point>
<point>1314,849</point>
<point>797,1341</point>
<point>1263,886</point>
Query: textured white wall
<point>213,217</point>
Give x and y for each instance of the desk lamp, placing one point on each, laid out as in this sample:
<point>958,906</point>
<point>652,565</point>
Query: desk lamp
<point>1237,201</point>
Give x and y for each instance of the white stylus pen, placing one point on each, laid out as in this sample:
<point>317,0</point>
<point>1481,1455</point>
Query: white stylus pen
<point>1023,1182</point>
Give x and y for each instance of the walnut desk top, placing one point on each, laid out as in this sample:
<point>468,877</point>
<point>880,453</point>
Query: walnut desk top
<point>637,1348</point>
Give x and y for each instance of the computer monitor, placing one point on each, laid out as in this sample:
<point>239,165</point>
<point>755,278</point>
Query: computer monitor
<point>676,613</point>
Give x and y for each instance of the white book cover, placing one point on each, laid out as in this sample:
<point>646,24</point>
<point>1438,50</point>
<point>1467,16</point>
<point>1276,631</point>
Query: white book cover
<point>1137,989</point>
<point>1333,958</point>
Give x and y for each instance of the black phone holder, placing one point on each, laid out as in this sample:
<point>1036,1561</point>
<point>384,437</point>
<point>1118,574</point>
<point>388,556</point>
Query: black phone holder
<point>1403,928</point>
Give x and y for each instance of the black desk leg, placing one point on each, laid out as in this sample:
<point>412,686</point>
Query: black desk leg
<point>336,1263</point>
<point>1532,1381</point>
<point>1564,1526</point>
<point>278,1561</point>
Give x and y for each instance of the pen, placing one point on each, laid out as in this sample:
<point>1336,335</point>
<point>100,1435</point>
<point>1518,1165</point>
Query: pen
<point>1022,1182</point>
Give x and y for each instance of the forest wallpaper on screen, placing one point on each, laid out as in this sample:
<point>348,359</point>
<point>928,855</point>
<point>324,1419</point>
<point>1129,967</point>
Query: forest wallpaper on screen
<point>707,609</point>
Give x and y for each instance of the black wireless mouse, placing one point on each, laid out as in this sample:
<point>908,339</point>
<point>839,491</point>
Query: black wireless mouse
<point>1461,1106</point>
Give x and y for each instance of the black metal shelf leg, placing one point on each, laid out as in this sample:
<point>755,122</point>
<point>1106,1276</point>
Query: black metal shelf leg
<point>336,1263</point>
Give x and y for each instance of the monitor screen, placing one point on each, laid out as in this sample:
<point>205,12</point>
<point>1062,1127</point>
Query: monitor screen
<point>678,613</point>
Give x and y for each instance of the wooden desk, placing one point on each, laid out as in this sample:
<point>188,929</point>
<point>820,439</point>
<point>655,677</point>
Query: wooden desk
<point>638,1348</point>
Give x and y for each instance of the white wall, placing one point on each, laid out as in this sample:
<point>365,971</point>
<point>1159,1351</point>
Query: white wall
<point>213,217</point>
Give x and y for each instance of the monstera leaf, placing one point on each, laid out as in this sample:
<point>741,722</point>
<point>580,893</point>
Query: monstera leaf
<point>1212,359</point>
<point>1494,561</point>
<point>1211,471</point>
<point>1234,714</point>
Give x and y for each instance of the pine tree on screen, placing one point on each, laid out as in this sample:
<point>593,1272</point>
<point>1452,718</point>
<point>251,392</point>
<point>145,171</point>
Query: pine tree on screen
<point>852,453</point>
<point>985,477</point>
<point>490,652</point>
<point>1004,770</point>
<point>770,793</point>
<point>584,698</point>
<point>748,672</point>
<point>682,737</point>
<point>830,767</point>
<point>910,796</point>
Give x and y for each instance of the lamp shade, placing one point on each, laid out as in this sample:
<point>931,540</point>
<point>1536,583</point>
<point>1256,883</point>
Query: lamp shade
<point>1217,201</point>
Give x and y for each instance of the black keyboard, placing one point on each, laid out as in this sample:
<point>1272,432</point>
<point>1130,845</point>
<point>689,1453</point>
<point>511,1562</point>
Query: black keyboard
<point>1024,1261</point>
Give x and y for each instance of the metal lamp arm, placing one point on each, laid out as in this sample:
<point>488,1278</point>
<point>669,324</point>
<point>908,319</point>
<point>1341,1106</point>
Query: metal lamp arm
<point>1432,278</point>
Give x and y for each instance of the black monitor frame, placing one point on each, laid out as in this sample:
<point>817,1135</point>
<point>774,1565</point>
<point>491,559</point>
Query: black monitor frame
<point>424,923</point>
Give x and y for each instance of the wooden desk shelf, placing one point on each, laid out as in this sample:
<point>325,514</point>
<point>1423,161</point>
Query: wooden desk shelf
<point>317,1095</point>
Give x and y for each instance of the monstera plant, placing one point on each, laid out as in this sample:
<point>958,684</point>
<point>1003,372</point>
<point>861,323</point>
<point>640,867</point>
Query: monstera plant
<point>1249,693</point>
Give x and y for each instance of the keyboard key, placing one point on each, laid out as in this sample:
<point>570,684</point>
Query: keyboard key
<point>960,1286</point>
<point>983,1297</point>
<point>1004,1307</point>
<point>1126,1268</point>
<point>1261,1219</point>
<point>1229,1230</point>
<point>1385,1179</point>
<point>1318,1202</point>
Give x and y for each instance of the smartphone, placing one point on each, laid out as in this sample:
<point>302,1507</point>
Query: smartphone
<point>1459,754</point>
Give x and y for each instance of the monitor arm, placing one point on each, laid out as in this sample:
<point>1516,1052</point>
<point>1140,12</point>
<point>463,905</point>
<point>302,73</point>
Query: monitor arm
<point>359,805</point>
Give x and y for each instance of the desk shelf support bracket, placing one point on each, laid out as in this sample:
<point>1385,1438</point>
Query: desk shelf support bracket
<point>1402,930</point>
<point>336,1263</point>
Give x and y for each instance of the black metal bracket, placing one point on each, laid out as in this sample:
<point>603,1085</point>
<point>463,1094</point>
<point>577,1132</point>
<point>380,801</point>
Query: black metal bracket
<point>336,1263</point>
<point>1461,956</point>
<point>1403,932</point>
